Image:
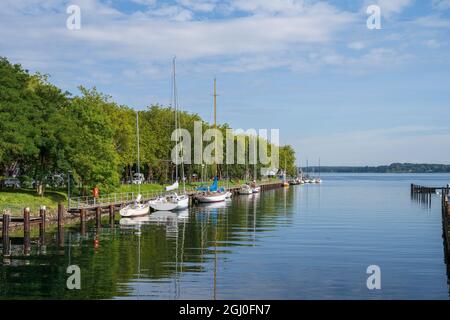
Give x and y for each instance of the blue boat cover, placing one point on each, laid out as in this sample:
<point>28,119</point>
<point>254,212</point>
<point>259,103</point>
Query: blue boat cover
<point>212,188</point>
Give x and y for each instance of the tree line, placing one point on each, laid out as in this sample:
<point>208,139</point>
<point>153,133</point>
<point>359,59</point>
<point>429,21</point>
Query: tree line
<point>45,131</point>
<point>392,168</point>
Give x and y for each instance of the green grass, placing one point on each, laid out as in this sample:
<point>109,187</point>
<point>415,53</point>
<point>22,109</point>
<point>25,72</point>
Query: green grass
<point>17,200</point>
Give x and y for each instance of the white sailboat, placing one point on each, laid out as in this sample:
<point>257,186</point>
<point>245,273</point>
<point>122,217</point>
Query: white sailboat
<point>211,197</point>
<point>319,180</point>
<point>253,185</point>
<point>137,208</point>
<point>173,201</point>
<point>214,194</point>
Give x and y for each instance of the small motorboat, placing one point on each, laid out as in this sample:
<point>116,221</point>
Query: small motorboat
<point>228,195</point>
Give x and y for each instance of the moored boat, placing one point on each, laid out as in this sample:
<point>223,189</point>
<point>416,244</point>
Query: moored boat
<point>136,209</point>
<point>211,197</point>
<point>245,189</point>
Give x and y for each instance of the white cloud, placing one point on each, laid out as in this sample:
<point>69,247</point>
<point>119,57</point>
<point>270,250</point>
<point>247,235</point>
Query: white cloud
<point>199,5</point>
<point>389,8</point>
<point>433,21</point>
<point>111,34</point>
<point>357,45</point>
<point>441,4</point>
<point>290,7</point>
<point>433,44</point>
<point>175,13</point>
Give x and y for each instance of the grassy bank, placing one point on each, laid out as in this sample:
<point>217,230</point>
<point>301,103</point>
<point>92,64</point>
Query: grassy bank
<point>16,200</point>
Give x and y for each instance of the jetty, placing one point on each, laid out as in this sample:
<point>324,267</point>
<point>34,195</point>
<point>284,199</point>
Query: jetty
<point>82,209</point>
<point>424,194</point>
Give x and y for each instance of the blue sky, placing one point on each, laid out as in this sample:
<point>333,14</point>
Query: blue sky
<point>335,89</point>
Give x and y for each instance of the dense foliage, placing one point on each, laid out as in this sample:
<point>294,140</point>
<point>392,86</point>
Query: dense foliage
<point>45,133</point>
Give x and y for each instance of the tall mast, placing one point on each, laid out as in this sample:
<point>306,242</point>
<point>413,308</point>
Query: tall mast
<point>254,168</point>
<point>175,106</point>
<point>177,124</point>
<point>215,126</point>
<point>319,168</point>
<point>215,104</point>
<point>138,151</point>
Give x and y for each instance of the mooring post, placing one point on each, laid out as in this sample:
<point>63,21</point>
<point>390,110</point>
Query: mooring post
<point>111,215</point>
<point>5,233</point>
<point>60,225</point>
<point>98,217</point>
<point>60,215</point>
<point>83,222</point>
<point>42,215</point>
<point>26,231</point>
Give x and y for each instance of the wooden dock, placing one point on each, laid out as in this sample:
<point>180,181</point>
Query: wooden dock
<point>424,194</point>
<point>82,212</point>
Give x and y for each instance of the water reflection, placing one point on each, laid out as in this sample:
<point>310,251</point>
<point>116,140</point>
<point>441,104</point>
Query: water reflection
<point>300,242</point>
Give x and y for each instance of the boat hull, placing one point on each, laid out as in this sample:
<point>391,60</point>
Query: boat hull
<point>162,206</point>
<point>133,211</point>
<point>183,203</point>
<point>256,190</point>
<point>170,203</point>
<point>211,198</point>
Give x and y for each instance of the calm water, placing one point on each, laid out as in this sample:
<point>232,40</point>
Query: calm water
<point>305,242</point>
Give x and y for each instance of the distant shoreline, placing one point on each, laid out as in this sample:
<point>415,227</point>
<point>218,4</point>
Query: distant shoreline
<point>392,168</point>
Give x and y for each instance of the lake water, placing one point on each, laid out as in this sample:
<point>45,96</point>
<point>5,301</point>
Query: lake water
<point>304,242</point>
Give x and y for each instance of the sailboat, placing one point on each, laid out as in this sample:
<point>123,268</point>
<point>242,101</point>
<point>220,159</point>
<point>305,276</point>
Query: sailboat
<point>213,193</point>
<point>137,208</point>
<point>253,185</point>
<point>285,182</point>
<point>319,180</point>
<point>173,201</point>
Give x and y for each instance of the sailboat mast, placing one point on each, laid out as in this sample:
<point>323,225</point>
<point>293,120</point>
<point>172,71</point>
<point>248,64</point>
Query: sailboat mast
<point>215,103</point>
<point>138,151</point>
<point>319,168</point>
<point>215,125</point>
<point>175,106</point>
<point>254,168</point>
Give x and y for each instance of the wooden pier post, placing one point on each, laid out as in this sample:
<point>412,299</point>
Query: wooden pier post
<point>5,234</point>
<point>98,217</point>
<point>83,222</point>
<point>60,215</point>
<point>111,215</point>
<point>42,215</point>
<point>26,231</point>
<point>60,225</point>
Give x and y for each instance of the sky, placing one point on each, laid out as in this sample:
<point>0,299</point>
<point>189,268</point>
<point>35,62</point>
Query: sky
<point>336,89</point>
